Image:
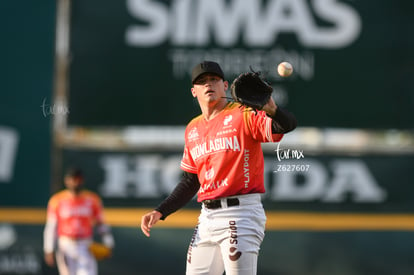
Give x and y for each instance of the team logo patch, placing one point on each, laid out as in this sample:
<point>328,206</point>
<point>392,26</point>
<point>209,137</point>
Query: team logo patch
<point>209,174</point>
<point>193,134</point>
<point>227,120</point>
<point>234,255</point>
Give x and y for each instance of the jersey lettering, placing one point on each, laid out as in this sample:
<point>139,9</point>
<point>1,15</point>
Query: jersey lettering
<point>246,168</point>
<point>213,186</point>
<point>215,145</point>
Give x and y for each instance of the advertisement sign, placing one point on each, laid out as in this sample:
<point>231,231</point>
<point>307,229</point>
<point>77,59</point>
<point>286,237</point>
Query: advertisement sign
<point>131,60</point>
<point>293,180</point>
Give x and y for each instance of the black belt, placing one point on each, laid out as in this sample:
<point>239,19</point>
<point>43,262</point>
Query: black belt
<point>215,204</point>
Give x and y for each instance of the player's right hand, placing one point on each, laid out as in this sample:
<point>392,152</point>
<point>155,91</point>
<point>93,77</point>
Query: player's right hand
<point>50,259</point>
<point>148,220</point>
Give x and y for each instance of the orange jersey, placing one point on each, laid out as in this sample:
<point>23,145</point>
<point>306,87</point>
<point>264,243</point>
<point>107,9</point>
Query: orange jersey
<point>75,215</point>
<point>226,152</point>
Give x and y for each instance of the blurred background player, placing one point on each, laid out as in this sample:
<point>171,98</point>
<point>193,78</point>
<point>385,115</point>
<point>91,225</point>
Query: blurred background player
<point>72,216</point>
<point>223,162</point>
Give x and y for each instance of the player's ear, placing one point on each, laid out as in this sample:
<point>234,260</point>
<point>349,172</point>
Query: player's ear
<point>193,92</point>
<point>226,85</point>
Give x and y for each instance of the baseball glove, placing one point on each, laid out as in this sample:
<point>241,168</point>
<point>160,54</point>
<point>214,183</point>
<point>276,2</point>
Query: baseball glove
<point>251,90</point>
<point>100,251</point>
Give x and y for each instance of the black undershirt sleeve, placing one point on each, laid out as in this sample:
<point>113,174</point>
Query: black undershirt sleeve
<point>283,121</point>
<point>180,196</point>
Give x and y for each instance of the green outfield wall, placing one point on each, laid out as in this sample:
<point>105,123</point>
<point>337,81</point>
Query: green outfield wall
<point>27,57</point>
<point>353,60</point>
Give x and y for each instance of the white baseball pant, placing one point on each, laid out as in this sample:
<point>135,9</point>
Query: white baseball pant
<point>73,257</point>
<point>228,238</point>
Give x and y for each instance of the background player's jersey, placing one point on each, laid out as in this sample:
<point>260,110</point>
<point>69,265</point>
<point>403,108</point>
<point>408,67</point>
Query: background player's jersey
<point>226,152</point>
<point>75,215</point>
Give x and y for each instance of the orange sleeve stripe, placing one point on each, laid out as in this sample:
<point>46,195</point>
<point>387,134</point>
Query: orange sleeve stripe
<point>269,136</point>
<point>188,168</point>
<point>246,119</point>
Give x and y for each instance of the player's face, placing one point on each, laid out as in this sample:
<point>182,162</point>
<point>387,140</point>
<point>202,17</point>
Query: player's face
<point>73,183</point>
<point>209,88</point>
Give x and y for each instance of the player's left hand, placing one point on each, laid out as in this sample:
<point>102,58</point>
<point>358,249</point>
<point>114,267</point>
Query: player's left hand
<point>251,90</point>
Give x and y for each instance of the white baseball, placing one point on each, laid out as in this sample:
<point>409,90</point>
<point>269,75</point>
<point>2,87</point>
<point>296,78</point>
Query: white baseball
<point>285,69</point>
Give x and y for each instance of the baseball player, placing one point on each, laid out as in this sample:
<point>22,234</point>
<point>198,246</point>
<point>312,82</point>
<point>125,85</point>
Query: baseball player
<point>223,164</point>
<point>72,215</point>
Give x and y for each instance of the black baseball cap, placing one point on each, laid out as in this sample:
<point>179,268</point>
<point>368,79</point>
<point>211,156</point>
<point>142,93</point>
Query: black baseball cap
<point>206,67</point>
<point>74,172</point>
